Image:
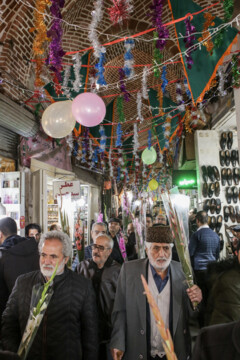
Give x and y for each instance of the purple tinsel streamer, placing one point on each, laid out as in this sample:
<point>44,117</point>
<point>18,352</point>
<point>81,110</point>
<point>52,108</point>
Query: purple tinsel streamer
<point>123,89</point>
<point>56,52</point>
<point>189,41</point>
<point>156,16</point>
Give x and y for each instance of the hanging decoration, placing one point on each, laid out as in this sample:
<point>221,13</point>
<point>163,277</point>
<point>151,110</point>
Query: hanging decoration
<point>149,139</point>
<point>90,153</point>
<point>110,163</point>
<point>93,79</point>
<point>88,109</point>
<point>129,44</point>
<point>157,56</point>
<point>139,107</point>
<point>123,89</point>
<point>144,83</point>
<point>120,11</point>
<point>39,40</point>
<point>77,68</point>
<point>153,184</point>
<point>103,166</point>
<point>194,117</point>
<point>57,120</point>
<point>94,158</point>
<point>135,140</point>
<point>103,139</point>
<point>100,68</point>
<point>149,156</point>
<point>179,97</point>
<point>235,71</point>
<point>56,53</point>
<point>65,88</point>
<point>97,15</point>
<point>221,82</point>
<point>189,41</point>
<point>206,35</point>
<point>120,109</point>
<point>188,93</point>
<point>69,142</point>
<point>120,162</point>
<point>164,79</point>
<point>119,135</point>
<point>167,130</point>
<point>156,17</point>
<point>228,7</point>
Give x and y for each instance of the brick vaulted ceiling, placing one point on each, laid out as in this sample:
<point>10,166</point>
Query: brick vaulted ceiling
<point>17,69</point>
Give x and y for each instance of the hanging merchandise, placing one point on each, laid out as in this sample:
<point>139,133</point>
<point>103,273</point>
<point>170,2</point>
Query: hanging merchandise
<point>149,156</point>
<point>77,68</point>
<point>120,11</point>
<point>100,68</point>
<point>57,120</point>
<point>56,53</point>
<point>128,58</point>
<point>88,109</point>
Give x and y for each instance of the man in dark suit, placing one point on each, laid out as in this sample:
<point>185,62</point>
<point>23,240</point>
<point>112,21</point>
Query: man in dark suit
<point>135,334</point>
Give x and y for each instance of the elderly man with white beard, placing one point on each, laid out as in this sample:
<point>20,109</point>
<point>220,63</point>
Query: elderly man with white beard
<point>135,334</point>
<point>68,330</point>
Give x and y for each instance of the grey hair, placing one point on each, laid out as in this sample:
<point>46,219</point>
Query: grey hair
<point>62,237</point>
<point>111,243</point>
<point>100,224</point>
<point>148,244</point>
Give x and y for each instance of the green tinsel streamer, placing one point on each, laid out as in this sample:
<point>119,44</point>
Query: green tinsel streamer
<point>235,72</point>
<point>120,109</point>
<point>157,56</point>
<point>228,7</point>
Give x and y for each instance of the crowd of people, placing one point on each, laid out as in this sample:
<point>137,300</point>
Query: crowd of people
<point>98,310</point>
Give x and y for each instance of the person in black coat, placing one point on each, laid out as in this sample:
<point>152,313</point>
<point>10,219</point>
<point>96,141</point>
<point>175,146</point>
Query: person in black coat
<point>68,330</point>
<point>17,256</point>
<point>218,342</point>
<point>104,272</point>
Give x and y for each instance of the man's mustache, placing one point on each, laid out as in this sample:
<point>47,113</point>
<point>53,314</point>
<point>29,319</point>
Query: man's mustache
<point>96,254</point>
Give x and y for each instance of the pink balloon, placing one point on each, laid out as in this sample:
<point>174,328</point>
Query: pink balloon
<point>88,109</point>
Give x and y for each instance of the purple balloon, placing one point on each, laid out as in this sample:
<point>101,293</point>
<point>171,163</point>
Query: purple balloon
<point>88,109</point>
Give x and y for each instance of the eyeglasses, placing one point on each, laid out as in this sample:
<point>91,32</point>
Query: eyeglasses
<point>166,248</point>
<point>99,247</point>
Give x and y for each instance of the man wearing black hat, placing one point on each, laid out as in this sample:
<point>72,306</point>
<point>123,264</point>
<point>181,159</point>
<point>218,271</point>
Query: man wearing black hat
<point>135,334</point>
<point>114,232</point>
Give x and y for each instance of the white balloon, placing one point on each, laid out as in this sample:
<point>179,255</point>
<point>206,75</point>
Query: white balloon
<point>57,119</point>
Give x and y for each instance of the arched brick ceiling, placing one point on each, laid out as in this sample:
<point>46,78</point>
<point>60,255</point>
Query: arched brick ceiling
<point>16,46</point>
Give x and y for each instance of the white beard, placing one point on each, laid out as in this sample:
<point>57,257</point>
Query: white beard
<point>157,266</point>
<point>50,269</point>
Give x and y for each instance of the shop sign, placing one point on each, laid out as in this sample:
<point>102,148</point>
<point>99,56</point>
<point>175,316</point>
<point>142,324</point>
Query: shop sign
<point>66,187</point>
<point>22,222</point>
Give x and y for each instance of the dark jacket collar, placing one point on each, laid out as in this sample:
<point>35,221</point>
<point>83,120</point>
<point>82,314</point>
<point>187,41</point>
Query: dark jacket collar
<point>108,263</point>
<point>11,241</point>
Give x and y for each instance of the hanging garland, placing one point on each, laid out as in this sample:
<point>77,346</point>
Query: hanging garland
<point>179,97</point>
<point>228,7</point>
<point>164,79</point>
<point>120,11</point>
<point>100,68</point>
<point>129,44</point>
<point>208,43</point>
<point>103,139</point>
<point>110,163</point>
<point>39,40</point>
<point>97,15</point>
<point>235,71</point>
<point>167,130</point>
<point>123,89</point>
<point>120,109</point>
<point>156,17</point>
<point>119,135</point>
<point>56,53</point>
<point>144,83</point>
<point>221,82</point>
<point>157,56</point>
<point>139,107</point>
<point>189,41</point>
<point>77,68</point>
<point>66,78</point>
